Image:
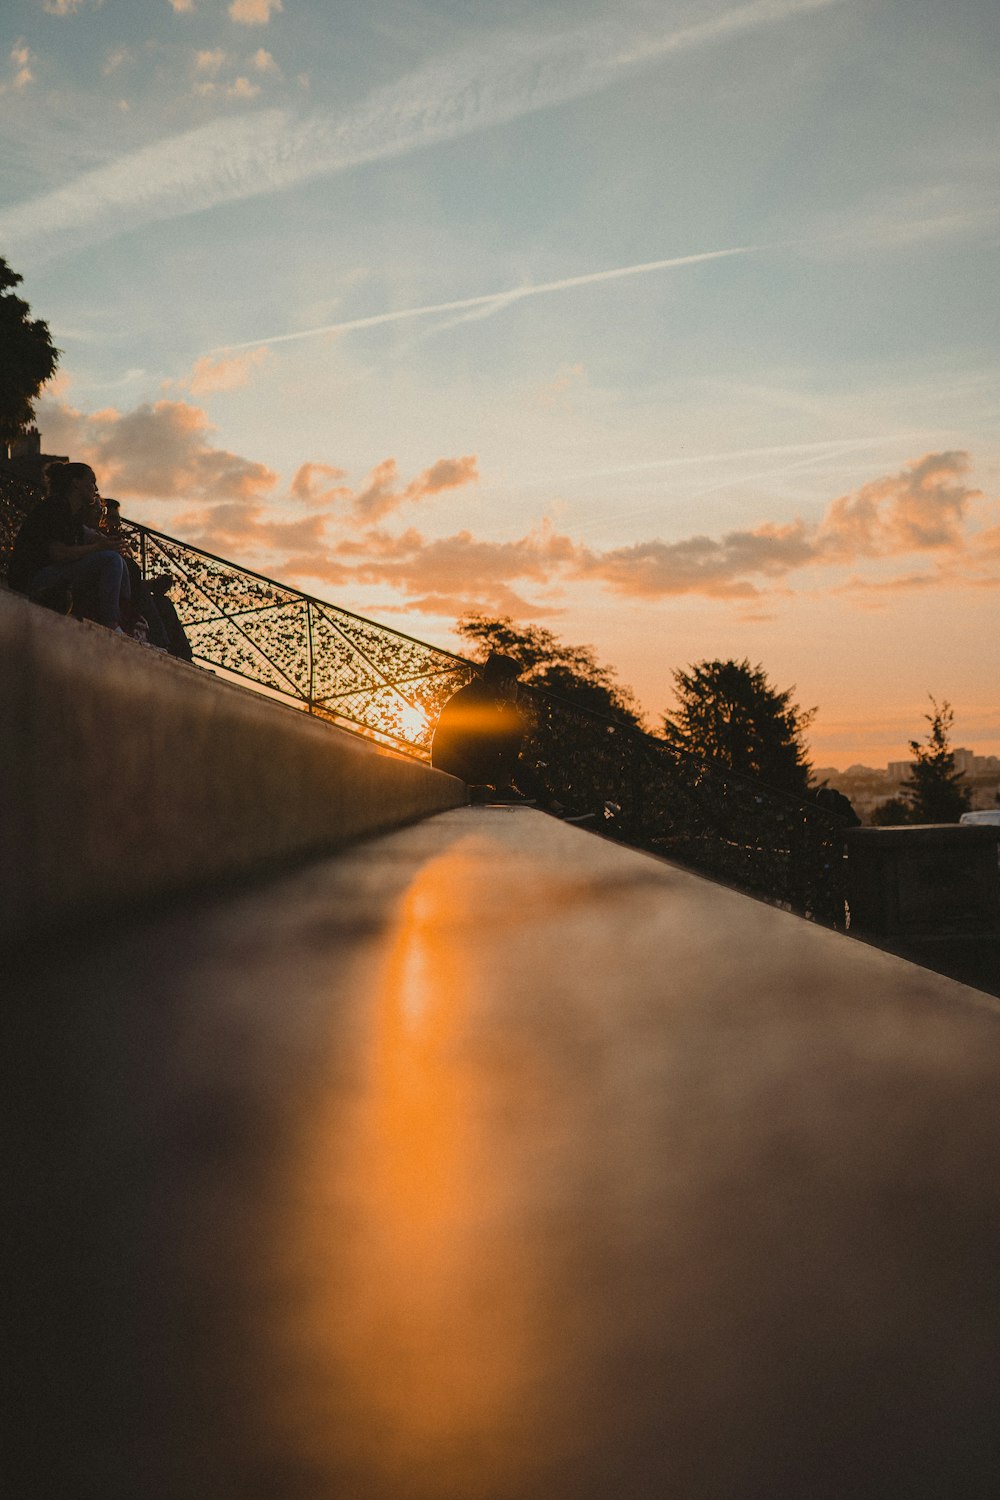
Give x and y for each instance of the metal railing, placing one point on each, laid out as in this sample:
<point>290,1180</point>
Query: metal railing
<point>390,687</point>
<point>317,656</point>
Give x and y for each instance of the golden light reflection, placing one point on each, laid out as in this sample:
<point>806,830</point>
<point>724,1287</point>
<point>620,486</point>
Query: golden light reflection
<point>413,722</point>
<point>418,1303</point>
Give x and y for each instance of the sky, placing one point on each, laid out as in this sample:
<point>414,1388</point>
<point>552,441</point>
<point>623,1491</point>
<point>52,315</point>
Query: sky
<point>670,326</point>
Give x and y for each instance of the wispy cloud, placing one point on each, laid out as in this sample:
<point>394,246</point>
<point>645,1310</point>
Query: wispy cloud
<point>513,74</point>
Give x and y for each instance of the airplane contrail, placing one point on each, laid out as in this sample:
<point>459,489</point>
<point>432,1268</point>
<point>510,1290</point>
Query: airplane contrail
<point>497,299</point>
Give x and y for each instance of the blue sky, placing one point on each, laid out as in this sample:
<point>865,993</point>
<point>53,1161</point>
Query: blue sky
<point>673,326</point>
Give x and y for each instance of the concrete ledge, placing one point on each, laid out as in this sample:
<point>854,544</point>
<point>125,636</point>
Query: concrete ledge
<point>488,1160</point>
<point>127,774</point>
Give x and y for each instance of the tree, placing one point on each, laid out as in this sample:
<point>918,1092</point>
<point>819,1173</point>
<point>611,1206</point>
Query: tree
<point>28,357</point>
<point>572,672</point>
<point>936,791</point>
<point>892,813</point>
<point>728,713</point>
<point>579,730</point>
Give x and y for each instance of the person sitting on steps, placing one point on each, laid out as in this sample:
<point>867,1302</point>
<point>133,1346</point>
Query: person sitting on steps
<point>52,550</point>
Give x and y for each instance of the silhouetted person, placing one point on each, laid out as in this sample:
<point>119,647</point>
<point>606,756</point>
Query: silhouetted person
<point>177,642</point>
<point>479,734</point>
<point>150,594</point>
<point>53,550</point>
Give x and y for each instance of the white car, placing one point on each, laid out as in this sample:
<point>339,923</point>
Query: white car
<point>989,816</point>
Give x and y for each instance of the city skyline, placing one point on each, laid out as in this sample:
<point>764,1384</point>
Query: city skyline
<point>672,329</point>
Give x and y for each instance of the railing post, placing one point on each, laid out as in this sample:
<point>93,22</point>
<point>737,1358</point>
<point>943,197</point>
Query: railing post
<point>142,551</point>
<point>309,632</point>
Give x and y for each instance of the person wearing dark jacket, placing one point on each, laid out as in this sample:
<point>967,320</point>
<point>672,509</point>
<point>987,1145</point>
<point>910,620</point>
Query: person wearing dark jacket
<point>52,548</point>
<point>479,734</point>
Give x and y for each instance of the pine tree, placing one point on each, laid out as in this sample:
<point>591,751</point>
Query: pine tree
<point>936,791</point>
<point>728,712</point>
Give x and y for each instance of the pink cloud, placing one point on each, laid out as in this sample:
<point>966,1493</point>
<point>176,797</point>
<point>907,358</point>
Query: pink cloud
<point>164,450</point>
<point>922,508</point>
<point>254,12</point>
<point>161,451</point>
<point>242,526</point>
<point>382,492</point>
<point>307,485</point>
<point>230,372</point>
<point>701,565</point>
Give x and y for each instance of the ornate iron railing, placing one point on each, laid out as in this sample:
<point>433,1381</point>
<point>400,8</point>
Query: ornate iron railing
<point>326,660</point>
<point>390,687</point>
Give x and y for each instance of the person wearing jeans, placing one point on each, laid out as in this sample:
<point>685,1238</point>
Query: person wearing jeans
<point>52,546</point>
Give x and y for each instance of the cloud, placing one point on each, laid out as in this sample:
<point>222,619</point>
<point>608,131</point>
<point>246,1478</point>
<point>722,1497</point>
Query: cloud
<point>208,65</point>
<point>381,493</point>
<point>242,88</point>
<point>445,575</point>
<point>264,62</point>
<point>446,474</point>
<point>116,59</point>
<point>161,450</point>
<point>512,74</point>
<point>182,7</point>
<point>20,57</point>
<point>988,543</point>
<point>241,526</point>
<point>164,451</point>
<point>309,479</point>
<point>210,61</point>
<point>721,569</point>
<point>61,7</point>
<point>921,509</point>
<point>227,373</point>
<point>254,12</point>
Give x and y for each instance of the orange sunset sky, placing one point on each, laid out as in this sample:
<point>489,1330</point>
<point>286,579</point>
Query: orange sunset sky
<point>673,327</point>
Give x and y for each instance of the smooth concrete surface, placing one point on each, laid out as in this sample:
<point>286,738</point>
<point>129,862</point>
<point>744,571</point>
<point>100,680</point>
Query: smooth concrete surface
<point>490,1161</point>
<point>125,774</point>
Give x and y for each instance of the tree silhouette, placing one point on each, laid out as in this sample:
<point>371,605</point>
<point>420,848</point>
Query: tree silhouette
<point>892,813</point>
<point>936,791</point>
<point>578,726</point>
<point>28,357</point>
<point>728,713</point>
<point>573,672</point>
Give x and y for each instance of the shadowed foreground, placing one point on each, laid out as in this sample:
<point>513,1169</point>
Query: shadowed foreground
<point>489,1160</point>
